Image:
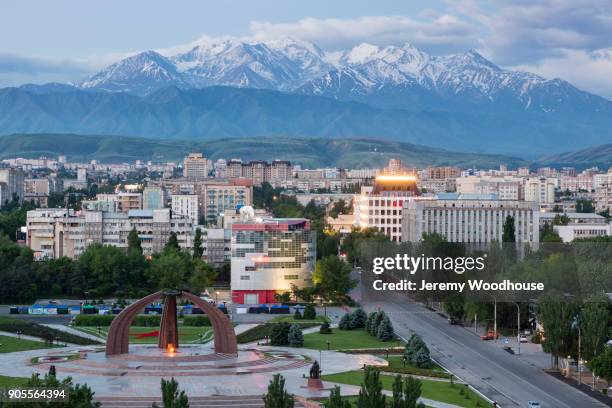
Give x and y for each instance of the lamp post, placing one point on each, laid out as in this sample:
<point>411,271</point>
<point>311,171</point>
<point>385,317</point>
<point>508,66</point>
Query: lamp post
<point>576,325</point>
<point>518,326</point>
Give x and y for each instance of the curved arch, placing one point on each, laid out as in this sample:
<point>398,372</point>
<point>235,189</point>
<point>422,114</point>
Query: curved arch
<point>225,338</point>
<point>117,340</point>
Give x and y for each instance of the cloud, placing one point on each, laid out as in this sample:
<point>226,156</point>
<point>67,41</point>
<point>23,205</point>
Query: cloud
<point>441,33</point>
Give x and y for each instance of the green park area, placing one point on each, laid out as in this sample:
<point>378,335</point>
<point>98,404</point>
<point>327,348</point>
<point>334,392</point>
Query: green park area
<point>439,390</point>
<point>292,319</point>
<point>149,335</point>
<point>8,382</point>
<point>346,340</point>
<point>10,344</point>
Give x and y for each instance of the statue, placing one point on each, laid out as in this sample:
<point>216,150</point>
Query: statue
<point>315,371</point>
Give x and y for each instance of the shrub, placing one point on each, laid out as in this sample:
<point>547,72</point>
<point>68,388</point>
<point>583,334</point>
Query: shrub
<point>325,329</point>
<point>345,322</point>
<point>422,358</point>
<point>295,337</point>
<point>309,312</point>
<point>277,396</point>
<point>147,320</point>
<point>297,315</point>
<point>370,321</point>
<point>358,319</point>
<point>93,320</point>
<point>263,330</point>
<point>385,330</point>
<point>33,329</point>
<point>280,334</point>
<point>378,318</point>
<point>196,321</point>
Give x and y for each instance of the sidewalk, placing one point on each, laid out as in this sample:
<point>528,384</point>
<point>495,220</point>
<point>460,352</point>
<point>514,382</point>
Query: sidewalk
<point>68,329</point>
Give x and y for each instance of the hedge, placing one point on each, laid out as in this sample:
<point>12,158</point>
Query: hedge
<point>196,321</point>
<point>415,371</point>
<point>106,320</point>
<point>263,330</point>
<point>46,333</point>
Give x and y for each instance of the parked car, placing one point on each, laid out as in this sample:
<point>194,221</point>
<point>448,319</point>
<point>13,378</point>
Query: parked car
<point>523,338</point>
<point>533,404</point>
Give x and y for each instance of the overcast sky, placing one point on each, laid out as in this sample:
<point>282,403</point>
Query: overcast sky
<point>65,40</point>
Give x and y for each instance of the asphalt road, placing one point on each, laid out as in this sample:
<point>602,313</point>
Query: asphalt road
<point>503,377</point>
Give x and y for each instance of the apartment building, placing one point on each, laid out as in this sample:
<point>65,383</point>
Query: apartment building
<point>505,187</point>
<point>11,184</point>
<point>540,190</point>
<point>187,205</point>
<point>153,198</point>
<point>195,166</point>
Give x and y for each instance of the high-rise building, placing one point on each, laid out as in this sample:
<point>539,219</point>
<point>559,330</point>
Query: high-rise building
<point>186,205</point>
<point>472,218</point>
<point>380,206</point>
<point>81,174</point>
<point>11,184</point>
<point>540,190</point>
<point>153,198</point>
<point>195,167</point>
<point>506,187</point>
<point>269,256</point>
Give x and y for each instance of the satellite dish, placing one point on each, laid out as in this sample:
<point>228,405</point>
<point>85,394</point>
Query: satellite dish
<point>247,212</point>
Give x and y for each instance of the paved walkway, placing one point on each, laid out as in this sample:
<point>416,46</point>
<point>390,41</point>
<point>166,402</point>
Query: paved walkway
<point>76,332</point>
<point>23,336</point>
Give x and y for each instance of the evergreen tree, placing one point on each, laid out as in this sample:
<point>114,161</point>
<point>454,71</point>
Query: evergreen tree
<point>172,244</point>
<point>412,392</point>
<point>171,397</point>
<point>134,242</point>
<point>297,315</point>
<point>370,394</point>
<point>345,322</point>
<point>509,230</point>
<point>277,396</point>
<point>325,329</point>
<point>280,334</point>
<point>398,392</point>
<point>198,250</point>
<point>358,319</point>
<point>78,395</point>
<point>421,358</point>
<point>380,315</point>
<point>385,330</point>
<point>295,337</point>
<point>370,322</point>
<point>309,312</point>
<point>335,399</point>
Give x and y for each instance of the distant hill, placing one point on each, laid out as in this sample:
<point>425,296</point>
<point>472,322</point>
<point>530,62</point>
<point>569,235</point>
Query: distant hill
<point>600,156</point>
<point>310,152</point>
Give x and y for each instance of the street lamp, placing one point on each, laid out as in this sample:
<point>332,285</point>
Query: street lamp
<point>576,325</point>
<point>518,326</point>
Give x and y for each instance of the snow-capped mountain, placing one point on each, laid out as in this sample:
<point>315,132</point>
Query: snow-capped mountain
<point>386,77</point>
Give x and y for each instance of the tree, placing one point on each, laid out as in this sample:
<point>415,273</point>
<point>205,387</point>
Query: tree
<point>277,396</point>
<point>333,276</point>
<point>325,329</point>
<point>370,394</point>
<point>370,321</point>
<point>602,365</point>
<point>415,343</point>
<point>509,230</point>
<point>385,330</point>
<point>78,395</point>
<point>422,358</point>
<point>309,312</point>
<point>584,206</point>
<point>280,334</point>
<point>297,315</point>
<point>202,277</point>
<point>345,322</point>
<point>358,319</point>
<point>282,297</point>
<point>406,392</point>
<point>172,245</point>
<point>171,397</point>
<point>557,314</point>
<point>378,318</point>
<point>295,337</point>
<point>134,241</point>
<point>594,319</point>
<point>198,250</point>
<point>335,399</point>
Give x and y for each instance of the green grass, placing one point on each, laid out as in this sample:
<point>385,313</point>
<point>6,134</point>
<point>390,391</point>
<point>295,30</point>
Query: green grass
<point>7,382</point>
<point>187,334</point>
<point>345,340</point>
<point>435,390</point>
<point>11,344</point>
<point>290,319</point>
<point>396,362</point>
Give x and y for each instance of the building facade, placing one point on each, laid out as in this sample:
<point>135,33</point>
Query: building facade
<point>269,256</point>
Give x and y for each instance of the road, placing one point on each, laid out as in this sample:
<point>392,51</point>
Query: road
<point>503,377</point>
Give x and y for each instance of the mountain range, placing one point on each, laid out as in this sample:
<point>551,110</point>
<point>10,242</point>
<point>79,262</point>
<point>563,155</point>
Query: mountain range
<point>231,88</point>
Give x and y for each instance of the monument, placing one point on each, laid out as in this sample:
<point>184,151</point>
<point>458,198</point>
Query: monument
<point>118,335</point>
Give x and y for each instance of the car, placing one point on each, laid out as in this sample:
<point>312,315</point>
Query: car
<point>533,404</point>
<point>523,339</point>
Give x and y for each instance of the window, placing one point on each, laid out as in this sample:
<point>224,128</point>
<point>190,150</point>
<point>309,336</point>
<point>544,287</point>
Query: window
<point>291,277</point>
<point>245,277</point>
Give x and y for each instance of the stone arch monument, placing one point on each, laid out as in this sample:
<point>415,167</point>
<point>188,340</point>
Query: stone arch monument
<point>118,335</point>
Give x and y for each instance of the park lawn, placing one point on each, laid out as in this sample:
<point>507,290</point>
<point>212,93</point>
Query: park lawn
<point>8,382</point>
<point>10,344</point>
<point>187,334</point>
<point>290,319</point>
<point>436,390</point>
<point>345,340</point>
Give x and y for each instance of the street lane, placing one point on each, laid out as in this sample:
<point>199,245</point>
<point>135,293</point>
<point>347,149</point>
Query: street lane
<point>501,376</point>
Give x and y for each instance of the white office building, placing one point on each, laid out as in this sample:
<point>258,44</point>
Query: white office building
<point>469,218</point>
<point>186,205</point>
